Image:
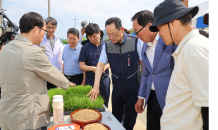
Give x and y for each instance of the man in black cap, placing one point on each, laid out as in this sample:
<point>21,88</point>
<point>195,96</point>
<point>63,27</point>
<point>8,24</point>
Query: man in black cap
<point>187,96</point>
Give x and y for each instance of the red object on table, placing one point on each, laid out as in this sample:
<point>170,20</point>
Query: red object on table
<point>83,123</point>
<point>77,127</point>
<point>98,123</point>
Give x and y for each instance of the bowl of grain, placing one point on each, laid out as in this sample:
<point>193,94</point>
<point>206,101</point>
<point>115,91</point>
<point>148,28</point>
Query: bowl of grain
<point>96,126</point>
<point>83,117</point>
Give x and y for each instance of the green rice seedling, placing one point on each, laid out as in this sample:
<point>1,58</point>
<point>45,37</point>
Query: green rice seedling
<point>76,98</point>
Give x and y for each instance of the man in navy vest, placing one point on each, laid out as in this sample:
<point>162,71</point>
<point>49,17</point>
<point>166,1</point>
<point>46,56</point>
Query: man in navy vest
<point>89,57</point>
<point>157,69</point>
<point>123,53</point>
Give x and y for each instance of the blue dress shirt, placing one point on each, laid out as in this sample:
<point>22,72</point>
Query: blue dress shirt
<point>71,60</point>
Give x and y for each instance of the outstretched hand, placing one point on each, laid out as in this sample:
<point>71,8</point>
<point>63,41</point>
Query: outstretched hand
<point>72,84</point>
<point>93,94</point>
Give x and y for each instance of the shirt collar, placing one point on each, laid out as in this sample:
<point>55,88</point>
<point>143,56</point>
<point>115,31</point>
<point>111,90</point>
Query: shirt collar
<point>185,39</point>
<point>77,46</point>
<point>22,38</point>
<point>150,44</point>
<point>49,37</point>
<point>124,38</point>
<point>101,43</point>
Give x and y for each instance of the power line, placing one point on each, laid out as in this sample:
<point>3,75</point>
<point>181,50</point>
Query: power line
<point>71,6</point>
<point>63,8</point>
<point>56,15</point>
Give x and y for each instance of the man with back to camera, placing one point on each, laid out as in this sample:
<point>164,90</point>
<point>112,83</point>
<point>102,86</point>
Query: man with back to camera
<point>187,96</point>
<point>123,53</point>
<point>24,70</point>
<point>54,47</point>
<point>157,69</point>
<point>70,57</point>
<point>89,57</point>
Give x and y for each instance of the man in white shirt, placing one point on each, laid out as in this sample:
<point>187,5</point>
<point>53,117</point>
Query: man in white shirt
<point>187,100</point>
<point>157,69</point>
<point>54,47</point>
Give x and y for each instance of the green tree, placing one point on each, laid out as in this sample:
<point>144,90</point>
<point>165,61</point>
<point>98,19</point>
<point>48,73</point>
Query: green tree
<point>64,41</point>
<point>131,31</point>
<point>84,39</point>
<point>106,40</point>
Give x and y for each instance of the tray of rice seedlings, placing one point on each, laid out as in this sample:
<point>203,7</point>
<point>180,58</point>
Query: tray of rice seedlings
<point>96,126</point>
<point>85,116</point>
<point>75,98</point>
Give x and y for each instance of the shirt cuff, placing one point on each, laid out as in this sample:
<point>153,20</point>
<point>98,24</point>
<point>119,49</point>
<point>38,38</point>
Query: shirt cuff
<point>201,104</point>
<point>141,97</point>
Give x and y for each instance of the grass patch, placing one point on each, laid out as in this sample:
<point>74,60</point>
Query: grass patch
<point>76,98</point>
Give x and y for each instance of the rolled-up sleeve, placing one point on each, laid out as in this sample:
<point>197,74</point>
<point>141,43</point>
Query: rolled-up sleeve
<point>197,72</point>
<point>80,39</point>
<point>48,72</point>
<point>103,56</point>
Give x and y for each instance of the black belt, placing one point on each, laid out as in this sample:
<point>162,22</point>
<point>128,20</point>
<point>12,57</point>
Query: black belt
<point>71,77</point>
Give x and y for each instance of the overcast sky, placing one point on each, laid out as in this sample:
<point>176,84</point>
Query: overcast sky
<point>97,11</point>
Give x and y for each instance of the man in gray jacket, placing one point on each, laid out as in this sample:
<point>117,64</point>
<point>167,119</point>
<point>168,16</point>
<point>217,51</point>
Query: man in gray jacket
<point>24,70</point>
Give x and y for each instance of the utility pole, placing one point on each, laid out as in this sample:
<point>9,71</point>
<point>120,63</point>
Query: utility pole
<point>75,22</point>
<point>1,5</point>
<point>48,8</point>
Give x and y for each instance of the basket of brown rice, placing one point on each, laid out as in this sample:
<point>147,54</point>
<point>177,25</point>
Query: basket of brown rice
<point>96,126</point>
<point>85,116</point>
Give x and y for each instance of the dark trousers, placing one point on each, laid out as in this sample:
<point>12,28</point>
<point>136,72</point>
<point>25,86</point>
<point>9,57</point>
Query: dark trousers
<point>205,117</point>
<point>50,86</point>
<point>118,102</point>
<point>154,112</point>
<point>77,79</point>
<point>104,88</point>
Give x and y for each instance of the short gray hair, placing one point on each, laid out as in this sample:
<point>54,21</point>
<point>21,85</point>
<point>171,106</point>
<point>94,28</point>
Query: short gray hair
<point>73,31</point>
<point>51,20</point>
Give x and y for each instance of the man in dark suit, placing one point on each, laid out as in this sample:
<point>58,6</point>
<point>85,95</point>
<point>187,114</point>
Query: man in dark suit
<point>157,69</point>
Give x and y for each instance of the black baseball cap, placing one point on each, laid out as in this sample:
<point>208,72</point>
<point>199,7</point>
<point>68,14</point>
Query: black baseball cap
<point>170,10</point>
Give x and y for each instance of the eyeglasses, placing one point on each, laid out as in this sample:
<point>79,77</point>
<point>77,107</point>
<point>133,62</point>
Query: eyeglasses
<point>43,29</point>
<point>136,33</point>
<point>113,36</point>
